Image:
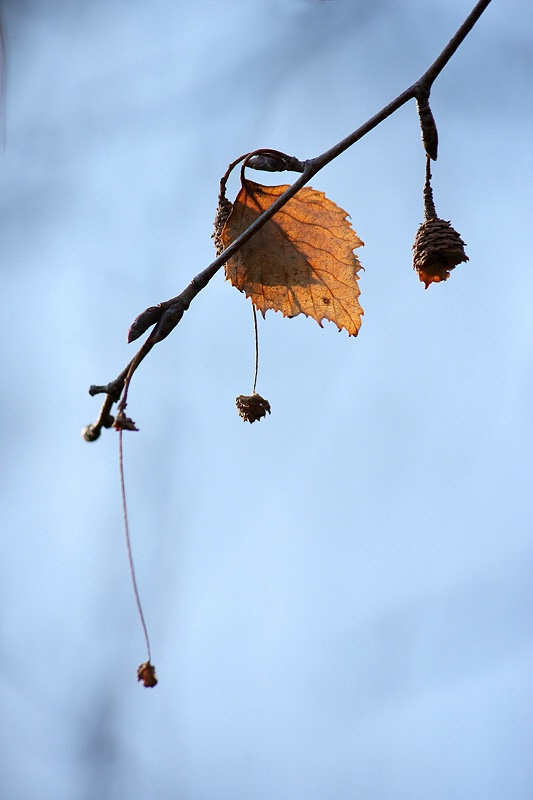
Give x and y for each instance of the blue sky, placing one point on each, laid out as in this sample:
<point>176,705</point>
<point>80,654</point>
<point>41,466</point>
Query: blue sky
<point>339,598</point>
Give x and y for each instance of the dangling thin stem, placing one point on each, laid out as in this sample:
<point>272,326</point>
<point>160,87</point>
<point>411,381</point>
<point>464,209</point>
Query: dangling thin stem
<point>128,544</point>
<point>256,348</point>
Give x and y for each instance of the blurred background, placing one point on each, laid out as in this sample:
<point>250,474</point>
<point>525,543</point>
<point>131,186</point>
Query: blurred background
<point>339,597</point>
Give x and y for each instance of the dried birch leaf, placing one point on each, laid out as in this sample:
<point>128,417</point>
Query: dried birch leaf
<point>299,262</point>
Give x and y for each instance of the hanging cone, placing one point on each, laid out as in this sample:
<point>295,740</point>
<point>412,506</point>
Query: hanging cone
<point>437,250</point>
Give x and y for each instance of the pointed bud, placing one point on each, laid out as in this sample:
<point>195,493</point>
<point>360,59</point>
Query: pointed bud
<point>144,321</point>
<point>168,320</point>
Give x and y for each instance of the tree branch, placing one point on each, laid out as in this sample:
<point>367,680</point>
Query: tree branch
<point>166,315</point>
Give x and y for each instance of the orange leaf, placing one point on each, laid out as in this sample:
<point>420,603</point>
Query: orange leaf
<point>301,261</point>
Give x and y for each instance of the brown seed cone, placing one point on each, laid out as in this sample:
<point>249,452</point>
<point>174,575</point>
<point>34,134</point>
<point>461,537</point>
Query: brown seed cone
<point>437,250</point>
<point>252,407</point>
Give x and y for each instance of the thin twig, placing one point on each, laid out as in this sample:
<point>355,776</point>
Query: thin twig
<point>167,314</point>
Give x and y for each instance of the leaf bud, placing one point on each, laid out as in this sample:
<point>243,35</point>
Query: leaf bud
<point>144,321</point>
<point>274,161</point>
<point>168,320</point>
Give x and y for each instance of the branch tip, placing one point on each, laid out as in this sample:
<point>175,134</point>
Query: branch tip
<point>113,389</point>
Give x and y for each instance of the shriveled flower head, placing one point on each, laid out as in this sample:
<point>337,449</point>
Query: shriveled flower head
<point>252,407</point>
